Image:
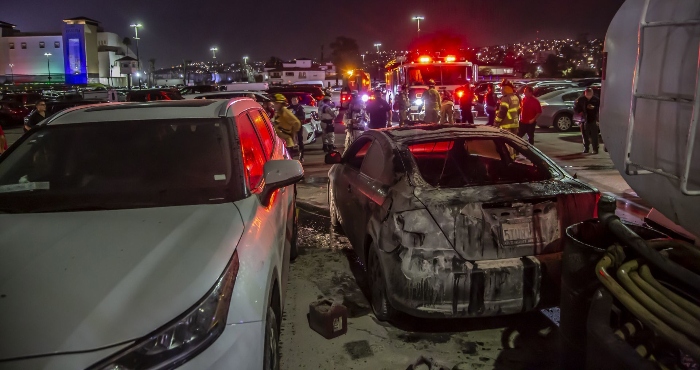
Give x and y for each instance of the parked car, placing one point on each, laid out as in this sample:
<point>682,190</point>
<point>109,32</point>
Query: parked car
<point>153,235</point>
<point>12,113</point>
<point>153,95</point>
<point>449,225</point>
<point>258,96</point>
<point>541,90</point>
<point>558,108</point>
<point>315,91</point>
<point>25,99</point>
<point>199,89</point>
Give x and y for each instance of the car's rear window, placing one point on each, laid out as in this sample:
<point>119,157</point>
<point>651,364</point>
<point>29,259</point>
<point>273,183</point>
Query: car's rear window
<point>477,162</point>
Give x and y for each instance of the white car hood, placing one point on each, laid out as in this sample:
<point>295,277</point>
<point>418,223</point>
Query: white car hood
<point>76,281</point>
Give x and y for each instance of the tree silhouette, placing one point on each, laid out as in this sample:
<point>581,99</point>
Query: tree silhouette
<point>345,53</point>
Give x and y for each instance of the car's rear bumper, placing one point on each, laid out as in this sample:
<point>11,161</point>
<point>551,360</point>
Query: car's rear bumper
<point>439,283</point>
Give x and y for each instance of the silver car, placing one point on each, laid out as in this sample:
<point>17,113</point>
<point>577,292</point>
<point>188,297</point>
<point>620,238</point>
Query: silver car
<point>558,109</point>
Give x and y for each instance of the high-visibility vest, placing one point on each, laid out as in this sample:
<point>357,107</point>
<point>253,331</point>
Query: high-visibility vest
<point>511,104</point>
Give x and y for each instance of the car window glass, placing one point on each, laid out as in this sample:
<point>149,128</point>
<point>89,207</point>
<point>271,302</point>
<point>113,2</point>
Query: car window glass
<point>357,152</point>
<point>476,162</point>
<point>264,131</point>
<point>570,97</point>
<point>252,151</point>
<point>375,164</point>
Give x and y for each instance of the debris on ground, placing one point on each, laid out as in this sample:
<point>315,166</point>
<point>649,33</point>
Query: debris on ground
<point>426,363</point>
<point>328,318</point>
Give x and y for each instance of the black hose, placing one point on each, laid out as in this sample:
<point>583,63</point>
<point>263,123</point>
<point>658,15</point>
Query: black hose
<point>606,214</point>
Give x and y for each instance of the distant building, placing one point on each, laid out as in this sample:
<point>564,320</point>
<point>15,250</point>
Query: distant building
<point>80,53</point>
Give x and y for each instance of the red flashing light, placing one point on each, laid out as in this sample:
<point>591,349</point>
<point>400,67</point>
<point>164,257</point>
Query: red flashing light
<point>450,58</point>
<point>425,59</point>
<point>460,93</point>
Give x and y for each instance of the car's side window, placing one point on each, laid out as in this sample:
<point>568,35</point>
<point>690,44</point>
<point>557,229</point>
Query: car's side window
<point>570,97</point>
<point>264,130</point>
<point>375,164</point>
<point>252,150</point>
<point>357,152</point>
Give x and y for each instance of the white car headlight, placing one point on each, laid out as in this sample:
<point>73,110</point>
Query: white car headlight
<point>418,102</point>
<point>365,98</point>
<point>183,338</point>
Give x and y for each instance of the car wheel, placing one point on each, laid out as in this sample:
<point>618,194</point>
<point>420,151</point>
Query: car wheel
<point>294,251</point>
<point>563,122</point>
<point>335,217</point>
<point>377,286</point>
<point>272,336</point>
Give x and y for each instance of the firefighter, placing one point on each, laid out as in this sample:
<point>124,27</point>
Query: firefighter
<point>403,105</point>
<point>447,110</point>
<point>432,104</point>
<point>328,115</point>
<point>286,124</point>
<point>508,114</point>
<point>300,114</point>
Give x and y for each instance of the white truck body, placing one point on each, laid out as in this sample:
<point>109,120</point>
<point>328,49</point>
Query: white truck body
<point>660,131</point>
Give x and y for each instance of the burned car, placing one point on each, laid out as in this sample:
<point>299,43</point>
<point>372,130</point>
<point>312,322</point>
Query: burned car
<point>454,221</point>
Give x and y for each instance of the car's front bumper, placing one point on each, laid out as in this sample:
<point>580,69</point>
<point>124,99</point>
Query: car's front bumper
<point>438,283</point>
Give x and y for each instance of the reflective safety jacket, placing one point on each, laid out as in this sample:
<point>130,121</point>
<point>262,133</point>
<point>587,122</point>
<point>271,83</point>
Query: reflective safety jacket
<point>432,99</point>
<point>287,125</point>
<point>508,115</point>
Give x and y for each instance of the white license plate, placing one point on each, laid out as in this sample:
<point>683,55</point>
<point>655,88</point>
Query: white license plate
<point>518,233</point>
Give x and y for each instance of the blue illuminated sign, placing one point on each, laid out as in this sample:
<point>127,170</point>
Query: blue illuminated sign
<point>75,59</point>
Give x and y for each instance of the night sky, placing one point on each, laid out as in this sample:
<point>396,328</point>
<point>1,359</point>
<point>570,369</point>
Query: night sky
<point>178,29</point>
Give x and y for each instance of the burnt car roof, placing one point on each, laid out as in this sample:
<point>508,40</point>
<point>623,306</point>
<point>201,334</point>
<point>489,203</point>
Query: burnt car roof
<point>402,135</point>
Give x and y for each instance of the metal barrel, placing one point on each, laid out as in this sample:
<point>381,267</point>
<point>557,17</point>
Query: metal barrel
<point>584,246</point>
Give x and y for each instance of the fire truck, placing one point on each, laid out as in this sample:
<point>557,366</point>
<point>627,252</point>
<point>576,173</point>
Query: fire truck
<point>449,73</point>
<point>355,80</point>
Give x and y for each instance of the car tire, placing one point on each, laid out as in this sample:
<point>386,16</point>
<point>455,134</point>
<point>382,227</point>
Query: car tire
<point>563,122</point>
<point>271,360</point>
<point>294,249</point>
<point>381,307</point>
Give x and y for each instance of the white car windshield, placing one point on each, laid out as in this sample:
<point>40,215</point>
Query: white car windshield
<point>114,165</point>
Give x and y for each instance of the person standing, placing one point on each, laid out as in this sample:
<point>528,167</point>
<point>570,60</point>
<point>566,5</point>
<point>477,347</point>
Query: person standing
<point>529,112</point>
<point>588,105</point>
<point>465,104</point>
<point>491,104</point>
<point>447,110</point>
<point>300,114</point>
<point>286,123</point>
<point>379,111</point>
<point>432,103</point>
<point>328,115</point>
<point>507,117</point>
<point>404,104</point>
<point>38,115</point>
<point>3,141</point>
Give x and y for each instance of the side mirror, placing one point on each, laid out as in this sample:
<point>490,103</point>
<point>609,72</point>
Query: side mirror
<point>278,174</point>
<point>333,157</point>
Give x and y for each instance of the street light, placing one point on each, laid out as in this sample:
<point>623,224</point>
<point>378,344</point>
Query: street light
<point>48,64</point>
<point>418,18</point>
<point>377,45</point>
<point>136,37</point>
<point>214,50</point>
<point>12,73</point>
<point>245,60</point>
<point>363,59</point>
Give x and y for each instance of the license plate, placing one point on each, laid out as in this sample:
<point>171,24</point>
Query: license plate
<point>517,233</point>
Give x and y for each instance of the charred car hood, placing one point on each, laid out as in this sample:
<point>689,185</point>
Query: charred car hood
<point>76,281</point>
<point>502,221</point>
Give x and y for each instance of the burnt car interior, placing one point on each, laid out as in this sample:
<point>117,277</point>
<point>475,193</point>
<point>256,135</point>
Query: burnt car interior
<point>475,162</point>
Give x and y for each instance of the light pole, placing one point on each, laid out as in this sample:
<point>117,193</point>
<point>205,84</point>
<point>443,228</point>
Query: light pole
<point>48,64</point>
<point>377,45</point>
<point>245,60</point>
<point>214,50</point>
<point>136,37</point>
<point>418,18</point>
<point>12,73</point>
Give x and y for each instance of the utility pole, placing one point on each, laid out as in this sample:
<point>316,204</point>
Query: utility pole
<point>136,37</point>
<point>48,64</point>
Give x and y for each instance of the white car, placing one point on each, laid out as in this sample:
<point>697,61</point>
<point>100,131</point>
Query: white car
<point>146,235</point>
